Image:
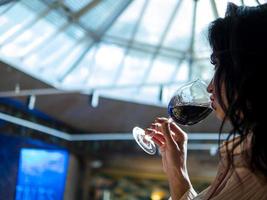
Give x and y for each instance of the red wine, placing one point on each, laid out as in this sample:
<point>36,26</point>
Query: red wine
<point>188,114</point>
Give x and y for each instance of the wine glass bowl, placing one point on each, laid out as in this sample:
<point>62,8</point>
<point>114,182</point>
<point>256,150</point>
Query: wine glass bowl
<point>189,105</point>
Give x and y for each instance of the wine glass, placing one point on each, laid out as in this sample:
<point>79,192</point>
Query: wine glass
<point>189,105</point>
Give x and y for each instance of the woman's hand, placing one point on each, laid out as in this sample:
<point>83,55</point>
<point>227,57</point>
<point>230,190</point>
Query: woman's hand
<point>172,142</point>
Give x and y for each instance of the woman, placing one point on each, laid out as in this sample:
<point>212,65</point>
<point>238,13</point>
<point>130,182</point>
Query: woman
<point>239,45</point>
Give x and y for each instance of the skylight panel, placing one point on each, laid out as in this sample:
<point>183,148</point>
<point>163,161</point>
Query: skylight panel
<point>11,23</point>
<point>82,73</point>
<point>179,34</point>
<point>28,39</point>
<point>48,56</point>
<point>148,94</point>
<point>134,68</point>
<point>204,16</point>
<point>107,60</point>
<point>126,24</point>
<point>162,70</point>
<point>154,22</point>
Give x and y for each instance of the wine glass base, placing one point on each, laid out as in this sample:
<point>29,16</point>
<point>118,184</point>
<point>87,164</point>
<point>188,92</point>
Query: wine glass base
<point>144,142</point>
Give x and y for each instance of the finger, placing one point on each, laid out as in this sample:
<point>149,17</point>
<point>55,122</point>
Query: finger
<point>157,141</point>
<point>179,135</point>
<point>156,126</point>
<point>159,137</point>
<point>150,131</point>
<point>156,136</point>
<point>167,133</point>
<point>154,133</point>
<point>161,120</point>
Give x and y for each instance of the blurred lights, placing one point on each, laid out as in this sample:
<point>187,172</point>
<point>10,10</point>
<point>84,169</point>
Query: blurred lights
<point>96,164</point>
<point>157,195</point>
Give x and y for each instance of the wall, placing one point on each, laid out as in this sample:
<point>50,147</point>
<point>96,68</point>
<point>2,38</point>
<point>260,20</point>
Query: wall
<point>9,160</point>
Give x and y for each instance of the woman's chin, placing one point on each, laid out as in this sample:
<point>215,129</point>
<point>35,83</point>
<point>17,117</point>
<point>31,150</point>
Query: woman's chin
<point>219,115</point>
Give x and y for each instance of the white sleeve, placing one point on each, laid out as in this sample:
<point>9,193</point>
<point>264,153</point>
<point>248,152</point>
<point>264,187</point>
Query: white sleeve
<point>189,195</point>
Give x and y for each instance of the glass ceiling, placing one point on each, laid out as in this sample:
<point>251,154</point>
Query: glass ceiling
<point>134,50</point>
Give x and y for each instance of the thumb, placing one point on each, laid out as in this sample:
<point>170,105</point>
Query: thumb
<point>167,133</point>
<point>179,135</point>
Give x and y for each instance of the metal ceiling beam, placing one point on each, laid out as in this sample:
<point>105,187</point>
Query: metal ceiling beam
<point>51,91</point>
<point>74,17</point>
<point>34,126</point>
<point>100,33</point>
<point>3,2</point>
<point>64,12</point>
<point>86,9</point>
<point>108,23</point>
<point>35,92</point>
<point>212,138</point>
<point>129,136</point>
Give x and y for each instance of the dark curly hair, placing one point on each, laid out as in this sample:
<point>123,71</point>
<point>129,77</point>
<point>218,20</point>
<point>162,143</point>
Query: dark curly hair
<point>239,45</point>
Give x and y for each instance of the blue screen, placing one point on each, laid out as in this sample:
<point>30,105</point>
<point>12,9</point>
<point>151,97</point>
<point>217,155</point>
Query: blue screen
<point>41,174</point>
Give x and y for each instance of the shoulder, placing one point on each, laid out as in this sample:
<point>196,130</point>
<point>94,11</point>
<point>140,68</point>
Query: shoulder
<point>241,183</point>
<point>237,182</point>
<point>234,179</point>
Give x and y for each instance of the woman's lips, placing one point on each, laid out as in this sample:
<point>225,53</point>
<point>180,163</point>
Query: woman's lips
<point>211,98</point>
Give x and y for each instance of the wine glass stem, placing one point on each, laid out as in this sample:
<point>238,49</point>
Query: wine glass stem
<point>170,120</point>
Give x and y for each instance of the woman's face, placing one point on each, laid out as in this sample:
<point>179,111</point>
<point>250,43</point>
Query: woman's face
<point>214,94</point>
<point>214,100</point>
